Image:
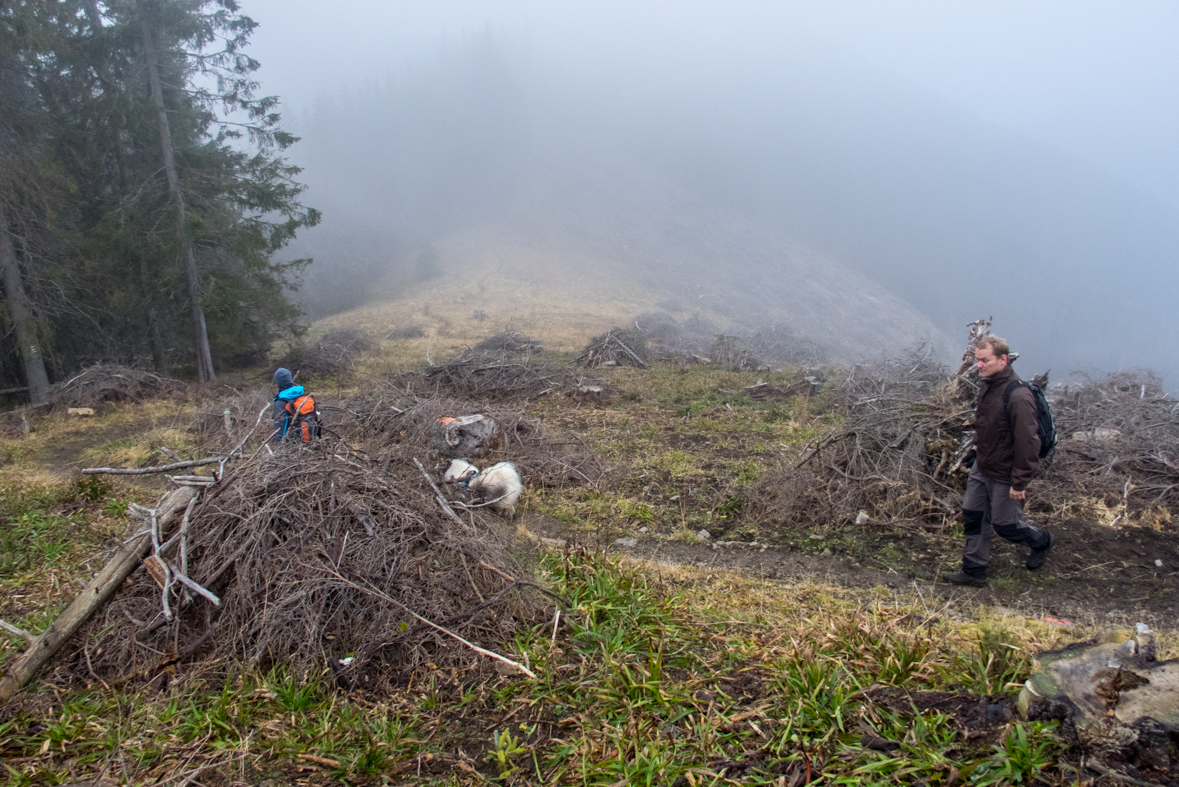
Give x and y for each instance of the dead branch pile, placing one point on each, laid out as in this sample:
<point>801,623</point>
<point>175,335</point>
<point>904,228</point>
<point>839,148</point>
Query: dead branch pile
<point>669,339</point>
<point>393,426</point>
<point>103,383</point>
<point>509,342</point>
<point>1118,450</point>
<point>894,457</point>
<point>897,456</point>
<point>499,369</point>
<point>337,353</point>
<point>699,340</point>
<point>307,558</point>
<point>779,344</point>
<point>222,423</point>
<point>734,352</point>
<point>615,347</point>
<point>800,385</point>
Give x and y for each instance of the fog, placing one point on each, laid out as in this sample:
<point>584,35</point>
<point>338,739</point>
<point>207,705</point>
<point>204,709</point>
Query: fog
<point>847,164</point>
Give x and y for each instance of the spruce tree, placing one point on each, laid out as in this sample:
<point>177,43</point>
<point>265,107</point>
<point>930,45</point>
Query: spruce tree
<point>151,192</point>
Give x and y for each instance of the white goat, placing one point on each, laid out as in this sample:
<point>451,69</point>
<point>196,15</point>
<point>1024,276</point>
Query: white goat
<point>500,487</point>
<point>458,471</point>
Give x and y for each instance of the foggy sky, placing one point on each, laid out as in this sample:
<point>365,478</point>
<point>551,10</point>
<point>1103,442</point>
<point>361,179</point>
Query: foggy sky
<point>973,158</point>
<point>1099,80</point>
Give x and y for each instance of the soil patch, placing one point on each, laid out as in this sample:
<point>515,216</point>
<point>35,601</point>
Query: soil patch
<point>1095,575</point>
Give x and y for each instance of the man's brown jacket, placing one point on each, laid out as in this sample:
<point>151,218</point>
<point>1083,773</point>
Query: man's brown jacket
<point>1006,437</point>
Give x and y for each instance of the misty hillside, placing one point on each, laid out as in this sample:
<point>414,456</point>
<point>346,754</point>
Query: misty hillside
<point>597,258</point>
<point>841,200</point>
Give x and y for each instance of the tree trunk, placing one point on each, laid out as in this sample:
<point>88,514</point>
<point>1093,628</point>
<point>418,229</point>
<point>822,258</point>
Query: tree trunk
<point>22,317</point>
<point>204,356</point>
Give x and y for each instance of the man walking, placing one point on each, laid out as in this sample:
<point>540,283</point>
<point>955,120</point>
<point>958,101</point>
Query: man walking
<point>1007,447</point>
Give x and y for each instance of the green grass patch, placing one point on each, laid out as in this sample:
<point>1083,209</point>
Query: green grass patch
<point>647,678</point>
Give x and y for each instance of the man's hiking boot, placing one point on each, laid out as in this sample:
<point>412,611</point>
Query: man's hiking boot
<point>960,577</point>
<point>1038,556</point>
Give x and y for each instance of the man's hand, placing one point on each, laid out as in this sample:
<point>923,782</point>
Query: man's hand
<point>1017,495</point>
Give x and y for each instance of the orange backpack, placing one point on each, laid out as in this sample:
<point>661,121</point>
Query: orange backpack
<point>303,418</point>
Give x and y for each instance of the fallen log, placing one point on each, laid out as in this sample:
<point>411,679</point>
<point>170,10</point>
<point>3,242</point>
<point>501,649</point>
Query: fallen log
<point>102,587</point>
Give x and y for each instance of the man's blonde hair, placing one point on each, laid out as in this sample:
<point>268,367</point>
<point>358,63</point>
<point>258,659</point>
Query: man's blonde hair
<point>998,345</point>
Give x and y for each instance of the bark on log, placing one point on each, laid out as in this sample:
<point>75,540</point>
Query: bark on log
<point>85,603</point>
<point>148,470</point>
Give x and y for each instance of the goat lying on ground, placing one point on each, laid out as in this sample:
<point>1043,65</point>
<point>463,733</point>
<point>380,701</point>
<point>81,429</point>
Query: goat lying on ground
<point>499,486</point>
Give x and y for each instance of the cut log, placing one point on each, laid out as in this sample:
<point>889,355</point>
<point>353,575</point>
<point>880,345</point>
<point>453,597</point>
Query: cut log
<point>120,566</point>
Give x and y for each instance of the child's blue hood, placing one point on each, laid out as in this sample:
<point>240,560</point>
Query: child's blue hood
<point>294,392</point>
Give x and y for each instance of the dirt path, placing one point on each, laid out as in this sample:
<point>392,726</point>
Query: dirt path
<point>1067,587</point>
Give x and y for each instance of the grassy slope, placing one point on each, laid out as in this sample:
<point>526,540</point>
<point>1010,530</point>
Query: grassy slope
<point>654,675</point>
<point>565,292</point>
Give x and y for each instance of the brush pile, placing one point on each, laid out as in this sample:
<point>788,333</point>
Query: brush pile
<point>104,383</point>
<point>698,340</point>
<point>499,369</point>
<point>733,352</point>
<point>616,347</point>
<point>779,344</point>
<point>337,353</point>
<point>226,420</point>
<point>312,558</point>
<point>669,339</point>
<point>393,426</point>
<point>897,457</point>
<point>1118,451</point>
<point>508,342</point>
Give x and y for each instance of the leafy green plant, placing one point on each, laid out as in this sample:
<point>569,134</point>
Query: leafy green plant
<point>292,694</point>
<point>92,488</point>
<point>504,749</point>
<point>1025,751</point>
<point>997,661</point>
<point>115,508</point>
<point>639,512</point>
<point>748,472</point>
<point>730,506</point>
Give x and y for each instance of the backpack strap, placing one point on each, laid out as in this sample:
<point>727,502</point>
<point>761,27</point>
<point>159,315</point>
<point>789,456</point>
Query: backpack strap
<point>1011,386</point>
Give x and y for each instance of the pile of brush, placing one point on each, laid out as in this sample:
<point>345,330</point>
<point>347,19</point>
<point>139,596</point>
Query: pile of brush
<point>313,558</point>
<point>335,355</point>
<point>896,456</point>
<point>501,368</point>
<point>1118,450</point>
<point>393,426</point>
<point>779,344</point>
<point>907,428</point>
<point>616,347</point>
<point>104,383</point>
<point>733,352</point>
<point>670,339</point>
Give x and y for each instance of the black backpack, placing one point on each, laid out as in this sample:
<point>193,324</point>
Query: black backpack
<point>1045,422</point>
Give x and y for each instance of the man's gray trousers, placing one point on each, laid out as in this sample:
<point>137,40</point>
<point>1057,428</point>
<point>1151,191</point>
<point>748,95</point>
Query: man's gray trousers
<point>987,509</point>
